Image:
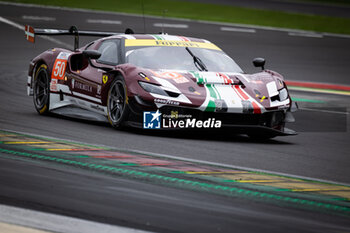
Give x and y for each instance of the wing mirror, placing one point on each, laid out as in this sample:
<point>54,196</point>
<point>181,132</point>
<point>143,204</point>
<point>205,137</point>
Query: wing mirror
<point>259,62</point>
<point>92,54</point>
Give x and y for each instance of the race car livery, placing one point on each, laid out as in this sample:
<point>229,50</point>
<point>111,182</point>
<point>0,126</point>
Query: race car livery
<point>123,76</point>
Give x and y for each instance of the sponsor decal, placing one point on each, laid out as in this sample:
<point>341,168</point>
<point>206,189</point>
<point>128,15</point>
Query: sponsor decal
<point>257,82</point>
<point>169,43</point>
<point>81,86</point>
<point>174,114</point>
<point>155,120</point>
<point>178,78</point>
<point>105,79</point>
<point>258,95</point>
<point>176,43</point>
<point>53,85</point>
<point>63,56</point>
<point>164,101</point>
<point>98,89</point>
<point>151,120</point>
<point>272,88</point>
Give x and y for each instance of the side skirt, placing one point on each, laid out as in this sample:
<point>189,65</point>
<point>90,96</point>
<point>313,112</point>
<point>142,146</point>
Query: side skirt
<point>77,107</point>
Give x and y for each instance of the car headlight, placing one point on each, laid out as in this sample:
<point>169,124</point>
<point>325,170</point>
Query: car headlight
<point>155,89</point>
<point>283,94</point>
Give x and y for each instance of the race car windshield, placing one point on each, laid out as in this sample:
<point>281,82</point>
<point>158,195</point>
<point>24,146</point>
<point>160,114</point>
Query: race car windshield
<point>178,58</point>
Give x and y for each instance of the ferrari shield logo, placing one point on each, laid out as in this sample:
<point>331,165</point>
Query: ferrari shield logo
<point>105,79</point>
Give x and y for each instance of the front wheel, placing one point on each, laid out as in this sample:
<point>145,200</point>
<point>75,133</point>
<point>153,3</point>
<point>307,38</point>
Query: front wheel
<point>117,103</point>
<point>41,90</point>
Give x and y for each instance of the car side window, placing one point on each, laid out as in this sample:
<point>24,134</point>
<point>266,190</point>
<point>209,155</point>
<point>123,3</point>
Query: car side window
<point>109,50</point>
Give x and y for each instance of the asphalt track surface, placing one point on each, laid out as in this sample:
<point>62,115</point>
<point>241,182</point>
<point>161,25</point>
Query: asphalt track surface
<point>303,7</point>
<point>320,151</point>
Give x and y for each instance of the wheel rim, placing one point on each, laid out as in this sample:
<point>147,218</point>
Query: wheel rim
<point>41,90</point>
<point>117,101</point>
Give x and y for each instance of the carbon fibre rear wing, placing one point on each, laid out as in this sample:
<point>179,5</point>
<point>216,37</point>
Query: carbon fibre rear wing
<point>31,32</point>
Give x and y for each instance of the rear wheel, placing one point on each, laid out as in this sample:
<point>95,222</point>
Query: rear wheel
<point>41,90</point>
<point>117,103</point>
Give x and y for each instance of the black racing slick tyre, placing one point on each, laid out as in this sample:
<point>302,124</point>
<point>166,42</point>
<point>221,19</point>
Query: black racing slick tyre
<point>41,90</point>
<point>117,103</point>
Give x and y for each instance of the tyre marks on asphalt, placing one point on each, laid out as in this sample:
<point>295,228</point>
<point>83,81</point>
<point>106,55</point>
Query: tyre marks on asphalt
<point>177,173</point>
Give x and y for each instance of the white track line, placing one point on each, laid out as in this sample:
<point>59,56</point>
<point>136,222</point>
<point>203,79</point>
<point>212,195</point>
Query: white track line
<point>13,24</point>
<point>169,25</point>
<point>104,21</point>
<point>186,159</point>
<point>303,34</point>
<point>56,223</point>
<point>231,29</point>
<point>268,28</point>
<point>38,18</point>
<point>21,27</point>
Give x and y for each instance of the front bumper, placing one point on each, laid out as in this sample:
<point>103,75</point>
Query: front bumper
<point>272,122</point>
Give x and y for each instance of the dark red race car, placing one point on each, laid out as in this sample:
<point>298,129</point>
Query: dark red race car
<point>157,81</point>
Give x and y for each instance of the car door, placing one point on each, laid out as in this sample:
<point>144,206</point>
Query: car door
<point>87,83</point>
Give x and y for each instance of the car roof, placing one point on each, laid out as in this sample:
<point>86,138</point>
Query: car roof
<point>164,40</point>
<point>159,37</point>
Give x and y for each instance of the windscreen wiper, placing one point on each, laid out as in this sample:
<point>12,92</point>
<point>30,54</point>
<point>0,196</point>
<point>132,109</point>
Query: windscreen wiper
<point>197,61</point>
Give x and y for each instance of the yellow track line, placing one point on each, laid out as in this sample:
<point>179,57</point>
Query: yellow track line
<point>315,190</point>
<point>257,181</point>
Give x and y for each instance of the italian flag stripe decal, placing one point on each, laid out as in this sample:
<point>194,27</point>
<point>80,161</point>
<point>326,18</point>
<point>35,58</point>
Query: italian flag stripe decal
<point>257,109</point>
<point>211,105</point>
<point>241,93</point>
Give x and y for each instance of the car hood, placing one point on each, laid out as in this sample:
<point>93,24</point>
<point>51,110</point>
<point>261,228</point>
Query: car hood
<point>221,91</point>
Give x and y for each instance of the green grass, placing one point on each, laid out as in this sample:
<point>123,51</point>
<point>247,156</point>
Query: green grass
<point>211,12</point>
